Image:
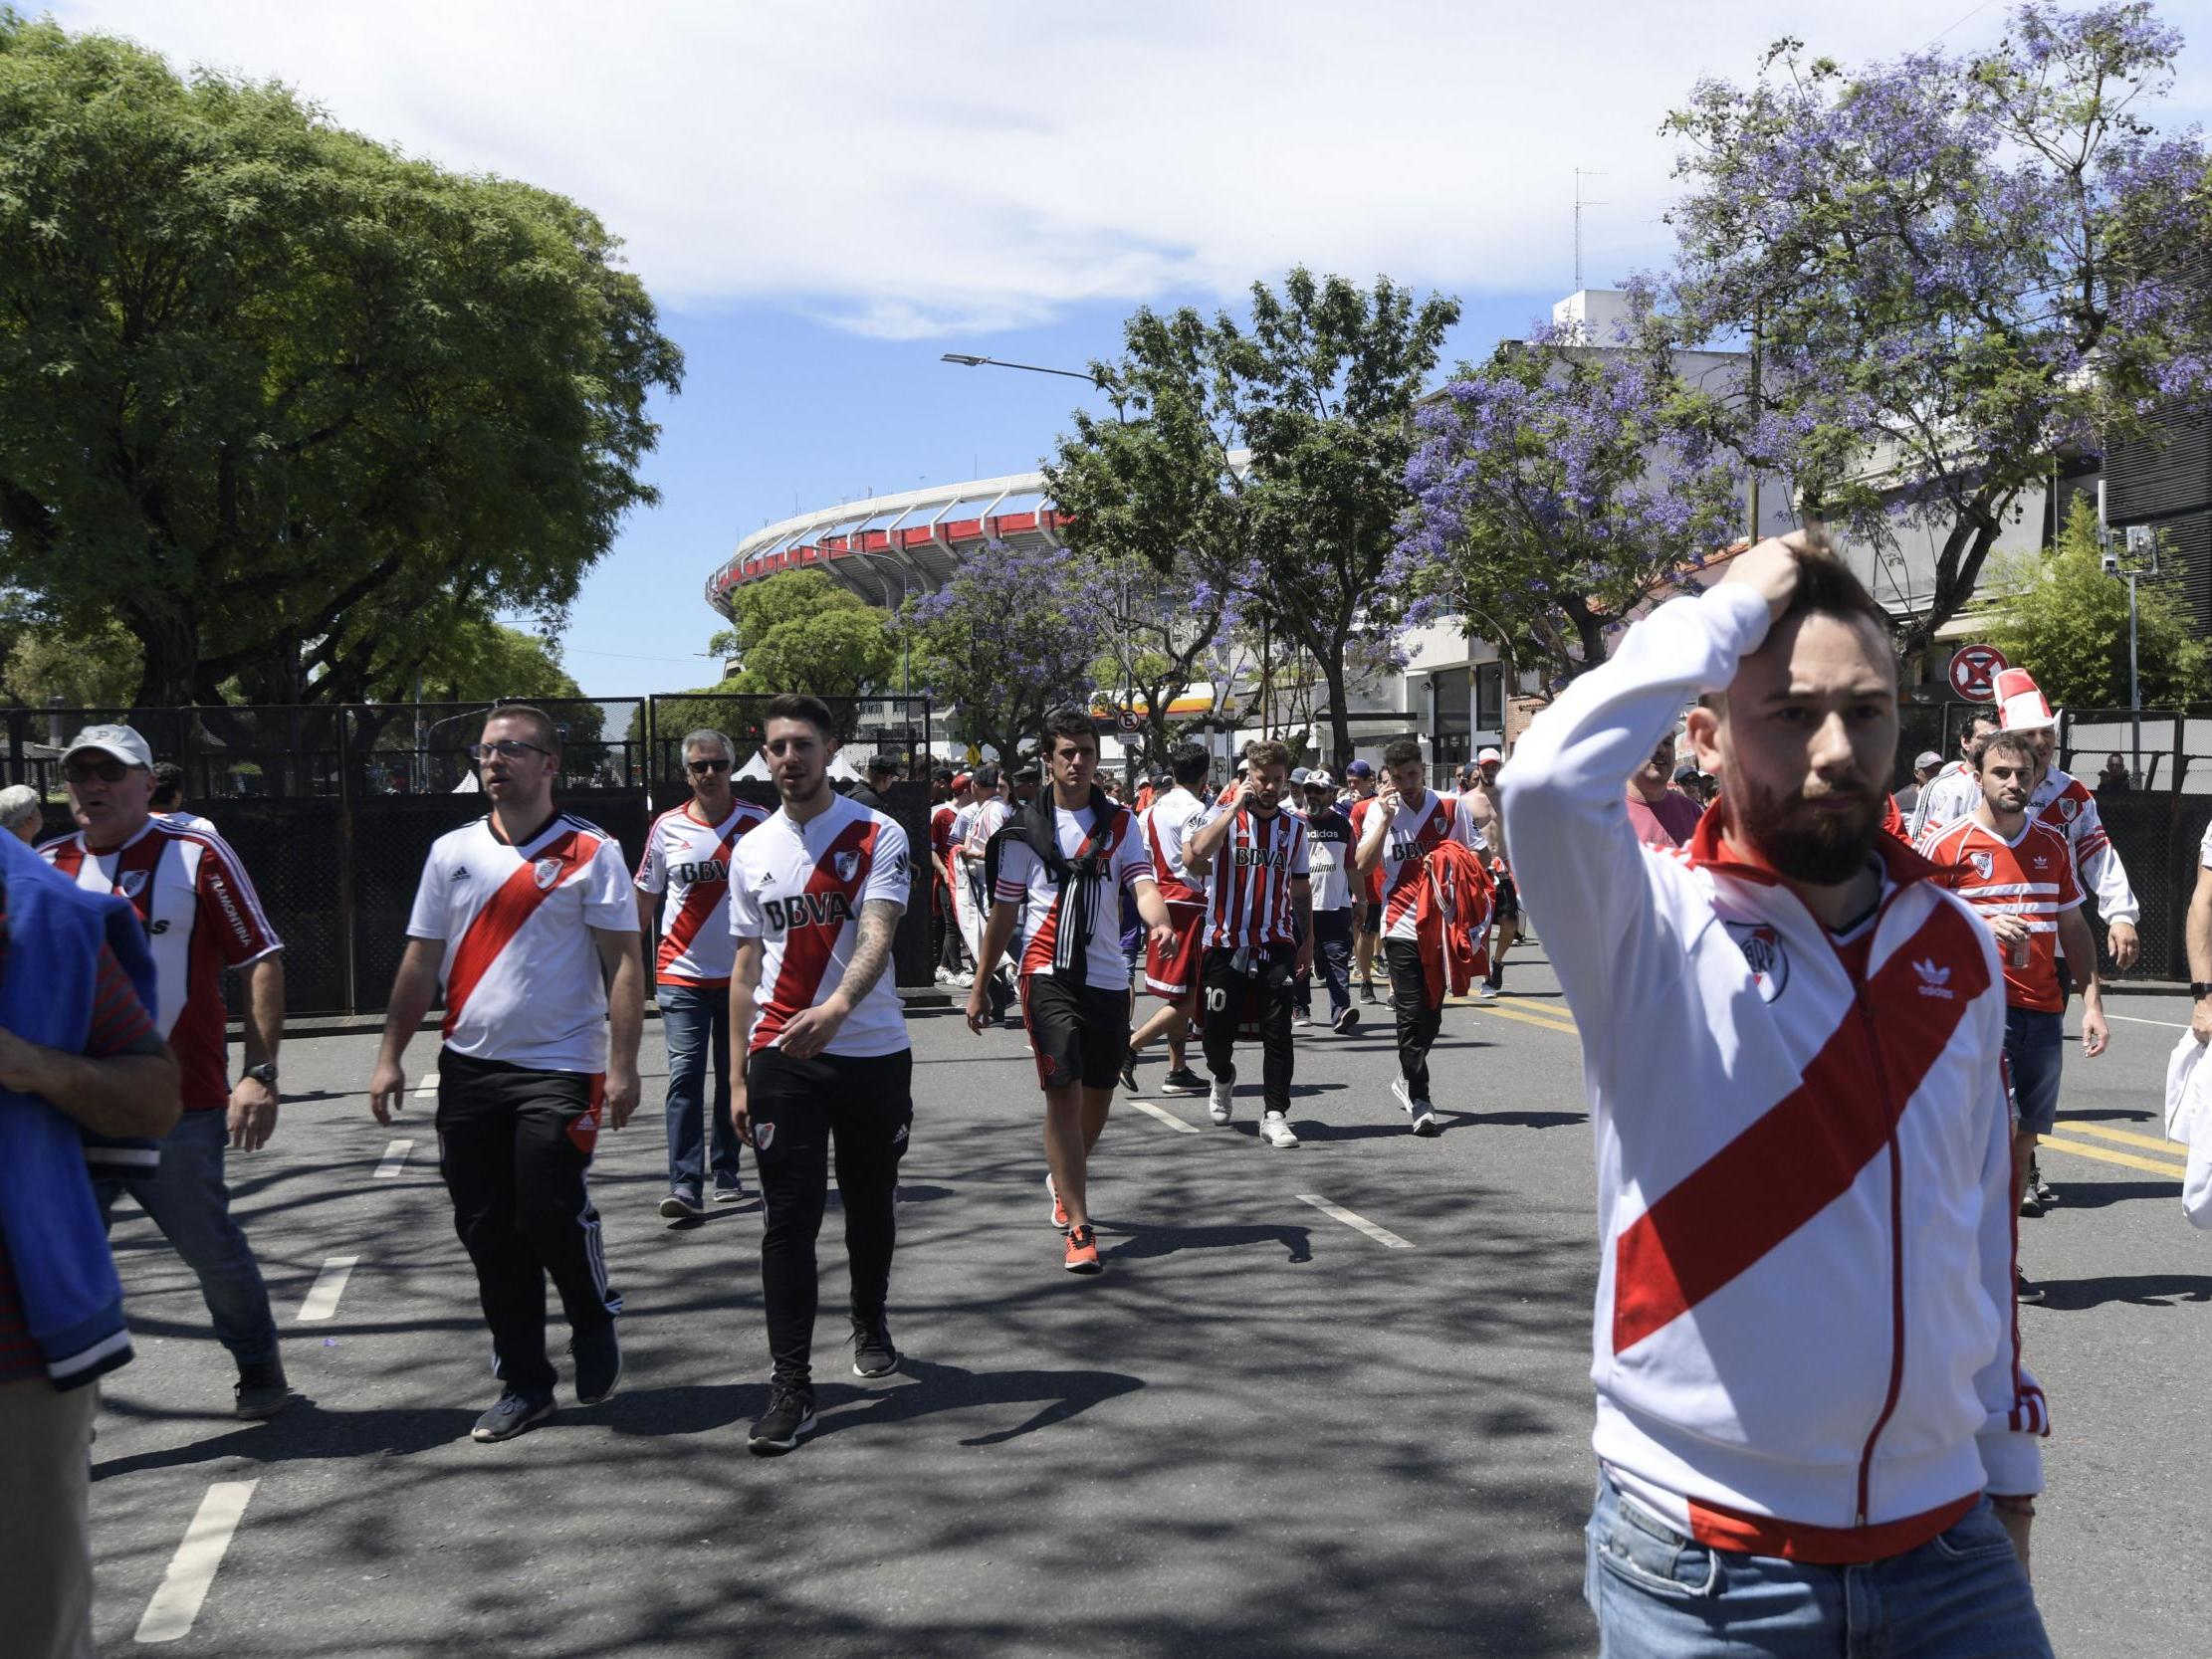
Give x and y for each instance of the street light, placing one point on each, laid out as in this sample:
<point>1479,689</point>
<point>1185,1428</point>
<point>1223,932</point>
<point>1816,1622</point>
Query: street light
<point>2141,560</point>
<point>969,360</point>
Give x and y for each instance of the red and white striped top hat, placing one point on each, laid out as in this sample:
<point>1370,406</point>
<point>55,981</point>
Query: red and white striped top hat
<point>2020,704</point>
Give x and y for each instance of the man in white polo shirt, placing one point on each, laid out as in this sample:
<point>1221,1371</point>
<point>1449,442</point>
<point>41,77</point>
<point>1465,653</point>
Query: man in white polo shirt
<point>526,918</point>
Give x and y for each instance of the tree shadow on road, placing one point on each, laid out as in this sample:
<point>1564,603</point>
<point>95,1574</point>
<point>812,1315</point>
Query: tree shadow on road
<point>309,1430</point>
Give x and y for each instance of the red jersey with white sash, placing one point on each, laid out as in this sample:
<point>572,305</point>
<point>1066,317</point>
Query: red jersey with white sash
<point>1249,901</point>
<point>1804,1338</point>
<point>2030,877</point>
<point>1396,881</point>
<point>689,860</point>
<point>798,890</point>
<point>1056,923</point>
<point>521,974</point>
<point>201,915</point>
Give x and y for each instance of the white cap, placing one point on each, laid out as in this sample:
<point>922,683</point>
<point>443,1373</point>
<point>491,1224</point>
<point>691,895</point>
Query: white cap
<point>1320,780</point>
<point>1488,755</point>
<point>1927,757</point>
<point>2021,703</point>
<point>119,740</point>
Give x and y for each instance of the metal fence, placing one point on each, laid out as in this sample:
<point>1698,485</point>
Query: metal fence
<point>333,810</point>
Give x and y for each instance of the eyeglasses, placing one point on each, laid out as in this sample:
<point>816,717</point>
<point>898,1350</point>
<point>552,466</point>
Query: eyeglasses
<point>107,771</point>
<point>512,748</point>
<point>706,765</point>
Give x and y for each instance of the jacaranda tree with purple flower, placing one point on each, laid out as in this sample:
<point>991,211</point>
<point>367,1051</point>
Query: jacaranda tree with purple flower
<point>1956,270</point>
<point>1012,636</point>
<point>1557,488</point>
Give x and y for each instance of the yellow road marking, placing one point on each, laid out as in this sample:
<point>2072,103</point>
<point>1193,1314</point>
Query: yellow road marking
<point>2156,1144</point>
<point>2081,1148</point>
<point>1547,1021</point>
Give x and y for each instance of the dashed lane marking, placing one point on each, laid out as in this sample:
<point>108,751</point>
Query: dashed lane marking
<point>2106,1155</point>
<point>176,1599</point>
<point>1165,1116</point>
<point>428,1087</point>
<point>330,1285</point>
<point>396,1158</point>
<point>2150,1143</point>
<point>1357,1223</point>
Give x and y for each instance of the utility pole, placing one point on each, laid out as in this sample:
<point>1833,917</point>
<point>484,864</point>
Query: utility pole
<point>1582,173</point>
<point>1752,532</point>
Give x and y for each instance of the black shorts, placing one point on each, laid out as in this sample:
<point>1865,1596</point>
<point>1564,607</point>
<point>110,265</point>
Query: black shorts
<point>1080,1032</point>
<point>1507,906</point>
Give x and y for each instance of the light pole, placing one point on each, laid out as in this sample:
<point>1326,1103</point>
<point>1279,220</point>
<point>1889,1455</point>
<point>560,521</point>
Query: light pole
<point>2139,559</point>
<point>969,360</point>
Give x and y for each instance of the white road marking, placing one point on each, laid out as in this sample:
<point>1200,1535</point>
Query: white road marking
<point>2132,1020</point>
<point>1165,1116</point>
<point>330,1285</point>
<point>396,1158</point>
<point>176,1599</point>
<point>427,1087</point>
<point>1357,1223</point>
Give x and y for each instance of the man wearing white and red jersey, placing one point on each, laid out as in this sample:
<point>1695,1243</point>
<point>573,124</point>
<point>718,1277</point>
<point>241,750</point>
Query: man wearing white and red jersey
<point>1395,833</point>
<point>993,807</point>
<point>1058,870</point>
<point>1257,857</point>
<point>527,918</point>
<point>1805,1352</point>
<point>687,859</point>
<point>946,792</point>
<point>814,899</point>
<point>1955,791</point>
<point>1172,973</point>
<point>201,915</point>
<point>2018,871</point>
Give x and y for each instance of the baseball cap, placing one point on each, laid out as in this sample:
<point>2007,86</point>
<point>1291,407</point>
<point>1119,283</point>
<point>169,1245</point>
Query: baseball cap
<point>1299,774</point>
<point>1927,757</point>
<point>119,740</point>
<point>1686,774</point>
<point>1488,755</point>
<point>962,780</point>
<point>1359,768</point>
<point>882,764</point>
<point>1320,780</point>
<point>1028,772</point>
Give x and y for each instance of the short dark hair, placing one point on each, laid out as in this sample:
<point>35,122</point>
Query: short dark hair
<point>1401,752</point>
<point>985,776</point>
<point>1826,587</point>
<point>1189,762</point>
<point>1269,752</point>
<point>1979,717</point>
<point>549,735</point>
<point>2019,745</point>
<point>168,785</point>
<point>940,774</point>
<point>798,705</point>
<point>1065,722</point>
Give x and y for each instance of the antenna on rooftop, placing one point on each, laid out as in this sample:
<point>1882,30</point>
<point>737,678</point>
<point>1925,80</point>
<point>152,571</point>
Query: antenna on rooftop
<point>1581,202</point>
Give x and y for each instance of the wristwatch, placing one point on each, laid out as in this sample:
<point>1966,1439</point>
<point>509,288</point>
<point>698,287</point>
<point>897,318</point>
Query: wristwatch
<point>264,1074</point>
<point>2200,989</point>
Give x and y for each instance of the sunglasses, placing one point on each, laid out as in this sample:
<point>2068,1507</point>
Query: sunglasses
<point>512,749</point>
<point>706,765</point>
<point>107,771</point>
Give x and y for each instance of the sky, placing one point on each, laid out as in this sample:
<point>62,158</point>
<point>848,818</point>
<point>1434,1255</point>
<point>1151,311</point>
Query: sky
<point>824,196</point>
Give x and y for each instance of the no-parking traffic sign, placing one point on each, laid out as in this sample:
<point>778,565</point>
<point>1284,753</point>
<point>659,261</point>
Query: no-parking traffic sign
<point>1974,668</point>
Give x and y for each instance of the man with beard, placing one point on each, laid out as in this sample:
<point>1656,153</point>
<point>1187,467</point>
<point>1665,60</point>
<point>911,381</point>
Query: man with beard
<point>1792,1043</point>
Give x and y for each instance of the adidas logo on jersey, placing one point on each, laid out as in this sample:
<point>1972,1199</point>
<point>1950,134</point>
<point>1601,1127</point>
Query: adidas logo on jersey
<point>1934,981</point>
<point>808,910</point>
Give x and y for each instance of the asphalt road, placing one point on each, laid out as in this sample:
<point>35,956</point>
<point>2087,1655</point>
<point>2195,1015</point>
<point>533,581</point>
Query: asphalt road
<point>1261,1432</point>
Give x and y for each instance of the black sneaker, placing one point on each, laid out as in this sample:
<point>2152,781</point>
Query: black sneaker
<point>1347,1019</point>
<point>2031,1201</point>
<point>681,1207</point>
<point>1367,990</point>
<point>872,1352</point>
<point>513,1414</point>
<point>2024,1289</point>
<point>260,1389</point>
<point>1183,1081</point>
<point>790,1413</point>
<point>599,1356</point>
<point>1129,1075</point>
<point>2045,1195</point>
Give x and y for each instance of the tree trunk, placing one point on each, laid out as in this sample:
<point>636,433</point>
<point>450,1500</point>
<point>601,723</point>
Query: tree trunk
<point>1340,716</point>
<point>1958,569</point>
<point>170,639</point>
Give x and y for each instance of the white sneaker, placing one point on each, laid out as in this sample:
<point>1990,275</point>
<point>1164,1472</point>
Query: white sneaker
<point>1484,992</point>
<point>964,979</point>
<point>1218,1108</point>
<point>1400,1093</point>
<point>1424,1118</point>
<point>943,975</point>
<point>1274,1129</point>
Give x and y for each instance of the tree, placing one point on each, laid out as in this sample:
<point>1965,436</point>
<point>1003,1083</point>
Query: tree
<point>1559,488</point>
<point>1952,269</point>
<point>802,632</point>
<point>1320,390</point>
<point>2066,620</point>
<point>286,403</point>
<point>1009,639</point>
<point>97,669</point>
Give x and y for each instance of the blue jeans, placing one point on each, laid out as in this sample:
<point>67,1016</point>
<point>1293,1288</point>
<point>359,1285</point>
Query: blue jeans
<point>694,1020</point>
<point>1332,957</point>
<point>187,1200</point>
<point>2035,1049</point>
<point>1660,1595</point>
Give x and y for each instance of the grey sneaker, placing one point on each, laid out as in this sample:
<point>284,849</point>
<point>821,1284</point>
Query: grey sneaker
<point>1424,1118</point>
<point>681,1207</point>
<point>260,1389</point>
<point>513,1414</point>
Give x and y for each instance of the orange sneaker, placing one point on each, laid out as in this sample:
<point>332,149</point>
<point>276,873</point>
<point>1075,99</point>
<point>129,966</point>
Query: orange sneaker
<point>1059,1210</point>
<point>1082,1252</point>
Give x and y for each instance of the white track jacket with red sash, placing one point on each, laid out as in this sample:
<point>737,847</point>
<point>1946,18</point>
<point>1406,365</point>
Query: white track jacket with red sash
<point>1805,1338</point>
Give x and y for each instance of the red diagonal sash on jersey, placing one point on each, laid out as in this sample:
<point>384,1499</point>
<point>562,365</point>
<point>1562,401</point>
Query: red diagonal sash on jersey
<point>700,899</point>
<point>808,949</point>
<point>517,901</point>
<point>1807,1150</point>
<point>1411,871</point>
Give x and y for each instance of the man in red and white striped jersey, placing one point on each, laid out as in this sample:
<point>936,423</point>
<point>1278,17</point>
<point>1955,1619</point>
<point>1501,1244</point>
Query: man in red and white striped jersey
<point>1395,833</point>
<point>527,918</point>
<point>201,915</point>
<point>686,860</point>
<point>1258,859</point>
<point>816,896</point>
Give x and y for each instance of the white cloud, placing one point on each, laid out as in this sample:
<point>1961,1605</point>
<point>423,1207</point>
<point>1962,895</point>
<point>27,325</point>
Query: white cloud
<point>909,168</point>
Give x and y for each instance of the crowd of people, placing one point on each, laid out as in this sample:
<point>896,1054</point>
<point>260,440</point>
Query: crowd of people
<point>1820,1035</point>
